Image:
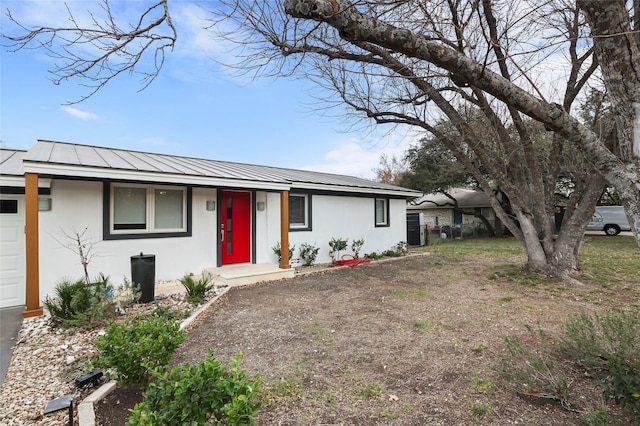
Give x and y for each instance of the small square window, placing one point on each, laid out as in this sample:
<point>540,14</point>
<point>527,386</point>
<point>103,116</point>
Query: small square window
<point>300,212</point>
<point>8,206</point>
<point>382,212</point>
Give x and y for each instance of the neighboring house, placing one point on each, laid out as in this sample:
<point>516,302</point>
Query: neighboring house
<point>439,210</point>
<point>191,213</point>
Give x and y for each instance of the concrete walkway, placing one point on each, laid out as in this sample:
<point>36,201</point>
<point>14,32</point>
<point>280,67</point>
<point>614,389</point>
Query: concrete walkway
<point>10,323</point>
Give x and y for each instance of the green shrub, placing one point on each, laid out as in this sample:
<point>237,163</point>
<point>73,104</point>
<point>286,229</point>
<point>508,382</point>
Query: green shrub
<point>278,251</point>
<point>197,394</point>
<point>337,245</point>
<point>169,314</point>
<point>78,304</point>
<point>399,250</point>
<point>308,253</point>
<point>373,256</point>
<point>609,346</point>
<point>135,347</point>
<point>196,289</point>
<point>356,246</point>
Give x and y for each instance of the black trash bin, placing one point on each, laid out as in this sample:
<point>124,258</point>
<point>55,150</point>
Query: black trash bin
<point>143,275</point>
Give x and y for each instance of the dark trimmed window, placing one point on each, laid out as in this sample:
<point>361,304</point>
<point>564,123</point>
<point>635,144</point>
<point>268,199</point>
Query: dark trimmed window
<point>8,206</point>
<point>143,211</point>
<point>382,211</point>
<point>299,212</point>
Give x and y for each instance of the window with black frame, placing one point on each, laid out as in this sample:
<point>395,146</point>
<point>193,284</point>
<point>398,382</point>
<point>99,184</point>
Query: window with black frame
<point>299,212</point>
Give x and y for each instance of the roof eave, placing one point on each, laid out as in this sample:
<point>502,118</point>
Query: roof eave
<point>145,176</point>
<point>355,189</point>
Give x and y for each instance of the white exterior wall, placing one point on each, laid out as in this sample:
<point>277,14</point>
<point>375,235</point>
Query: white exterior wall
<point>266,221</point>
<point>339,217</point>
<point>78,205</point>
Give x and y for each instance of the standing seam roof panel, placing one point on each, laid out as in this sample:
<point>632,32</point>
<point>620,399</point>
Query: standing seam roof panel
<point>41,152</point>
<point>113,160</point>
<point>87,156</point>
<point>65,154</point>
<point>11,162</point>
<point>197,168</point>
<point>153,162</point>
<point>137,163</point>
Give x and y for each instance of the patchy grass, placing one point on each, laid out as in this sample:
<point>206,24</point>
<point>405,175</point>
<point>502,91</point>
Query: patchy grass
<point>418,340</point>
<point>609,261</point>
<point>404,294</point>
<point>604,261</point>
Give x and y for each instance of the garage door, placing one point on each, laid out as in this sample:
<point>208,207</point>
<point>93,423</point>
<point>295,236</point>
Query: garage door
<point>12,251</point>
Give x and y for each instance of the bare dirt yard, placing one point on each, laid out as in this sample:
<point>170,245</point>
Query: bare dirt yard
<point>410,341</point>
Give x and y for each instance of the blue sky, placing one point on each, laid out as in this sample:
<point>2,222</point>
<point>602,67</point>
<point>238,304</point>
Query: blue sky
<point>193,108</point>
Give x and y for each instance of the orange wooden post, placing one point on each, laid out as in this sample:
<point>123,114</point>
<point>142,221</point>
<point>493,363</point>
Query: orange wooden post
<point>33,307</point>
<point>284,230</point>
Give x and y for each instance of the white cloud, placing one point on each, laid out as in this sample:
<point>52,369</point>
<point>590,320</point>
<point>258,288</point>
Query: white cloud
<point>83,115</point>
<point>354,158</point>
<point>196,37</point>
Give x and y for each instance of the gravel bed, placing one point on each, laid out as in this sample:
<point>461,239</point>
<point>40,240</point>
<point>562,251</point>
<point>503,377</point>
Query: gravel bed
<point>46,361</point>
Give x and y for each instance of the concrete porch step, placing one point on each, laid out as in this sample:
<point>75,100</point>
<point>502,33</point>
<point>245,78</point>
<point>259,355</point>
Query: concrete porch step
<point>248,273</point>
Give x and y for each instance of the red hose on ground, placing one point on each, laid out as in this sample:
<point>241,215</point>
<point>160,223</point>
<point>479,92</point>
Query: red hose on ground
<point>349,260</point>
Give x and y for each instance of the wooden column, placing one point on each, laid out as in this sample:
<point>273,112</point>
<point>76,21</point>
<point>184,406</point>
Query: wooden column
<point>33,307</point>
<point>284,230</point>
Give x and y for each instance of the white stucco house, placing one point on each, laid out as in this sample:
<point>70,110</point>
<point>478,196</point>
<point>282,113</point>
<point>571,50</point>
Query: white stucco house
<point>191,213</point>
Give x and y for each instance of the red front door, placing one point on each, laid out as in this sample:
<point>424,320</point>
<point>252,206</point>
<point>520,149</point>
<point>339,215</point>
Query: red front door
<point>235,227</point>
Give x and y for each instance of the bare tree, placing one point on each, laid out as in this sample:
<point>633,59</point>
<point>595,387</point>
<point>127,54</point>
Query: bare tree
<point>112,48</point>
<point>81,244</point>
<point>414,63</point>
<point>389,85</point>
<point>617,52</point>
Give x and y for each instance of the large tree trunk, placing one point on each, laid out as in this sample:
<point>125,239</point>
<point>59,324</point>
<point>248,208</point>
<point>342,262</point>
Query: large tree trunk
<point>555,255</point>
<point>558,260</point>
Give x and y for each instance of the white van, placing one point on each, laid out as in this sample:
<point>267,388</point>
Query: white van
<point>610,219</point>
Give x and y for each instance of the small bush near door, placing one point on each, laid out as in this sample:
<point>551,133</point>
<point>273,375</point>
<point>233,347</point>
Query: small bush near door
<point>309,253</point>
<point>337,245</point>
<point>278,251</point>
<point>196,288</point>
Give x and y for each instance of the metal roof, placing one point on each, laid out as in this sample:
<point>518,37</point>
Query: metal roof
<point>11,162</point>
<point>62,158</point>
